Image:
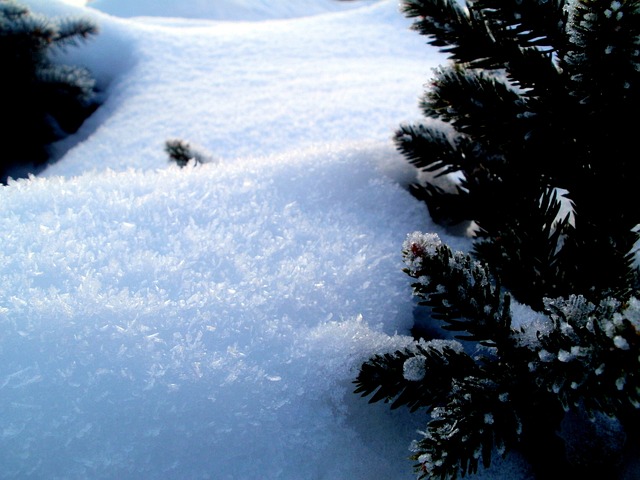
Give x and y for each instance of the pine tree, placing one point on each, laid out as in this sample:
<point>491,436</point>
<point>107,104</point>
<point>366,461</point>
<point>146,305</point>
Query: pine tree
<point>533,113</point>
<point>539,98</point>
<point>44,99</point>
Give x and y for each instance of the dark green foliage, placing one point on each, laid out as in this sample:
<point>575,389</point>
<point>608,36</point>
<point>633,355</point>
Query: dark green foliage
<point>540,96</point>
<point>590,356</point>
<point>458,288</point>
<point>534,116</point>
<point>179,151</point>
<point>43,100</point>
<point>514,392</point>
<point>385,376</point>
<point>467,402</point>
<point>182,152</point>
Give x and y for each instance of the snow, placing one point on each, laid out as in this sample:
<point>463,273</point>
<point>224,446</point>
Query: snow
<point>244,10</point>
<point>208,322</point>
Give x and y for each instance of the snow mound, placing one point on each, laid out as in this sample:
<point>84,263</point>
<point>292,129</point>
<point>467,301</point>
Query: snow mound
<point>207,319</point>
<point>224,9</point>
<point>244,89</point>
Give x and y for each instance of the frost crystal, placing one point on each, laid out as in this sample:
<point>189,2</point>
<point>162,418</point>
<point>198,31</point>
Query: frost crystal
<point>565,356</point>
<point>577,351</point>
<point>438,412</point>
<point>632,313</point>
<point>545,356</point>
<point>620,342</point>
<point>414,368</point>
<point>566,328</point>
<point>418,245</point>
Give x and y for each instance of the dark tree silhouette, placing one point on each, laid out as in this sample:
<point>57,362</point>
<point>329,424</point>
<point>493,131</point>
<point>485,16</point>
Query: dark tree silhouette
<point>43,100</point>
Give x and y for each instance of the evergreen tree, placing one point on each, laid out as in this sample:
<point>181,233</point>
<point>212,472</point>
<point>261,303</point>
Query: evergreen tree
<point>540,98</point>
<point>44,100</point>
<point>532,114</point>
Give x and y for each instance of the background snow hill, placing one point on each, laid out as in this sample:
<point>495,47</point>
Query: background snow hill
<point>224,9</point>
<point>207,322</point>
<point>247,88</point>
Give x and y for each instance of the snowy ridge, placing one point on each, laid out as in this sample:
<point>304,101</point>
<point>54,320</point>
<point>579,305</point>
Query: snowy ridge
<point>246,89</point>
<point>234,10</point>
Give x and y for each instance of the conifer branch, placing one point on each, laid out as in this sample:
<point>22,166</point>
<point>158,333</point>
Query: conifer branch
<point>475,422</point>
<point>470,418</point>
<point>428,148</point>
<point>73,31</point>
<point>583,357</point>
<point>418,377</point>
<point>459,290</point>
<point>49,100</point>
<point>488,109</point>
<point>590,357</point>
<point>182,153</point>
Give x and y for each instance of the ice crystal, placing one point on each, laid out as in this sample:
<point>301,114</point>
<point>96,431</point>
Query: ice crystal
<point>418,245</point>
<point>565,356</point>
<point>414,368</point>
<point>621,342</point>
<point>545,356</point>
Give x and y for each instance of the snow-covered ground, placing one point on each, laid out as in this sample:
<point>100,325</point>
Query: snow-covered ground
<point>208,322</point>
<point>223,9</point>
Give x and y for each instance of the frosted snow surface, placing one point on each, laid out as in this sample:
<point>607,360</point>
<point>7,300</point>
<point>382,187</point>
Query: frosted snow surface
<point>208,322</point>
<point>179,323</point>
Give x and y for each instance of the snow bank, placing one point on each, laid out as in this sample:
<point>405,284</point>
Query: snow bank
<point>247,89</point>
<point>203,322</point>
<point>224,9</point>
